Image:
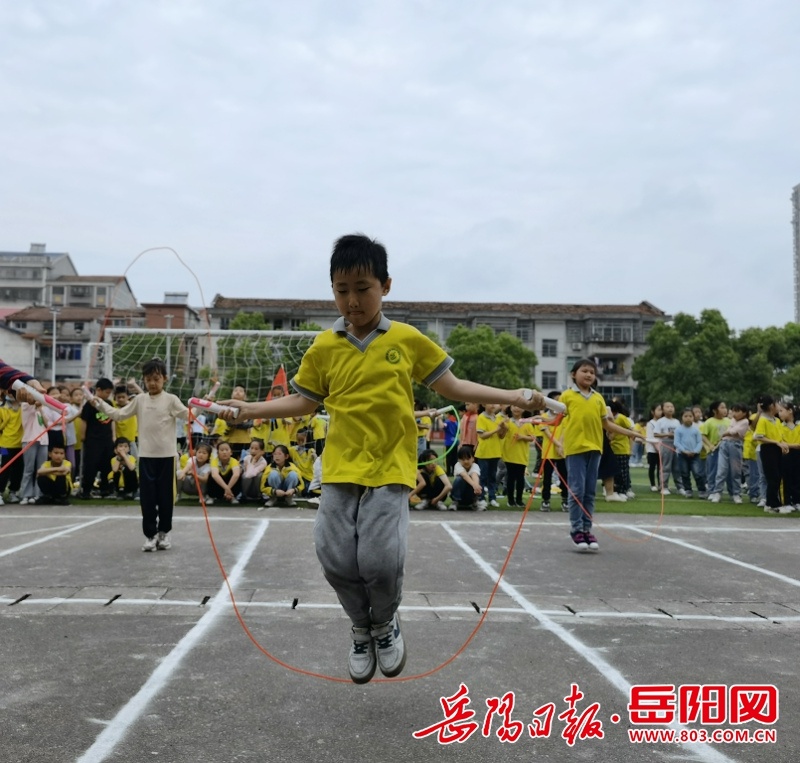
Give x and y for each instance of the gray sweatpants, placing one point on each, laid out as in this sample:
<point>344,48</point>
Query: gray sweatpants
<point>361,536</point>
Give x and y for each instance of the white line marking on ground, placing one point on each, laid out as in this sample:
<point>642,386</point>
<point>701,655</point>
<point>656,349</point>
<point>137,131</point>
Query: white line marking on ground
<point>564,614</point>
<point>592,656</point>
<point>119,726</point>
<point>724,558</point>
<point>37,530</point>
<point>36,542</point>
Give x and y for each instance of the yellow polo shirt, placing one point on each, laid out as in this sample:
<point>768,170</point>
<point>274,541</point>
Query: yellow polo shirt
<point>366,387</point>
<point>583,424</point>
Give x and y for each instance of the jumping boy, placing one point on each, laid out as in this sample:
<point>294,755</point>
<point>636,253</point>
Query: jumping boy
<point>362,371</point>
<point>156,412</point>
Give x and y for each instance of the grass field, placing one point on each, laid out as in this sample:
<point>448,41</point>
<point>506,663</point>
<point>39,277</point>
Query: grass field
<point>646,502</point>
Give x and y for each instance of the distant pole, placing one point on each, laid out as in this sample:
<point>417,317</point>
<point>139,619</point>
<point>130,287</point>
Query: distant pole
<point>54,311</point>
<point>169,318</point>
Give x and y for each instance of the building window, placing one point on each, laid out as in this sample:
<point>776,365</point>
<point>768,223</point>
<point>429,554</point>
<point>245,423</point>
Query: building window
<point>499,325</point>
<point>224,323</point>
<point>549,348</point>
<point>78,327</point>
<point>617,332</point>
<point>21,295</point>
<point>68,351</point>
<point>296,323</point>
<point>20,325</point>
<point>100,296</point>
<point>574,331</point>
<point>420,325</point>
<point>58,295</point>
<point>277,324</point>
<point>549,380</point>
<point>524,331</point>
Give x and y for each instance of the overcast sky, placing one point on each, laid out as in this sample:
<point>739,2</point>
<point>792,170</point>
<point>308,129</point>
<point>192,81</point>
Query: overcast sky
<point>505,150</point>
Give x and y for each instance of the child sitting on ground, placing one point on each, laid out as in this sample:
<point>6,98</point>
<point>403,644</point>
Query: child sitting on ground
<point>54,478</point>
<point>303,457</point>
<point>467,492</point>
<point>123,469</point>
<point>281,480</point>
<point>253,465</point>
<point>225,474</point>
<point>200,463</point>
<point>433,485</point>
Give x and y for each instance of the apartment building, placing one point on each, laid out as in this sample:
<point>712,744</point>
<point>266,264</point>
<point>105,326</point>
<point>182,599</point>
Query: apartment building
<point>613,335</point>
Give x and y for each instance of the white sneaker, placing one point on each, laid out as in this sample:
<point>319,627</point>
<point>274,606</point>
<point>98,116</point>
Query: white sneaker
<point>737,499</point>
<point>2,502</point>
<point>762,504</point>
<point>653,489</point>
<point>785,509</point>
<point>494,503</point>
<point>665,491</point>
<point>630,494</point>
<point>714,498</point>
<point>13,497</point>
<point>25,501</point>
<point>390,647</point>
<point>362,662</point>
<point>615,497</point>
<point>314,501</point>
<point>150,545</point>
<point>480,505</point>
<point>421,506</point>
<point>163,542</point>
<point>681,491</point>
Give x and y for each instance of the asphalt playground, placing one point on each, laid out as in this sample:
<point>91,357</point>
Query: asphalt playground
<point>112,654</point>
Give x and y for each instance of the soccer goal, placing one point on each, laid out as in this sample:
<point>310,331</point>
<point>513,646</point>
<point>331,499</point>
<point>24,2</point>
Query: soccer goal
<point>197,359</point>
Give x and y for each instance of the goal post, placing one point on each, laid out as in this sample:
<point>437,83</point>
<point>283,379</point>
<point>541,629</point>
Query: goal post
<point>197,358</point>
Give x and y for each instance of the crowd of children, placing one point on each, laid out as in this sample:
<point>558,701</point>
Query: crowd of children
<point>745,450</point>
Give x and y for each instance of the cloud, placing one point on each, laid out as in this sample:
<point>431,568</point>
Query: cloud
<point>650,148</point>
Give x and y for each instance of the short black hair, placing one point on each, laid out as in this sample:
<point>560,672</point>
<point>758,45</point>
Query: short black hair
<point>428,455</point>
<point>104,383</point>
<point>121,441</point>
<point>121,389</point>
<point>357,252</point>
<point>465,451</point>
<point>154,366</point>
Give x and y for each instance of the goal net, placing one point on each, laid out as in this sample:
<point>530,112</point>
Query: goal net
<point>196,359</point>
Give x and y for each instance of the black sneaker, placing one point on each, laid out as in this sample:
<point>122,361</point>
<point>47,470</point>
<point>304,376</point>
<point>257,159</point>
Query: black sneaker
<point>391,647</point>
<point>579,539</point>
<point>591,541</point>
<point>545,506</point>
<point>362,662</point>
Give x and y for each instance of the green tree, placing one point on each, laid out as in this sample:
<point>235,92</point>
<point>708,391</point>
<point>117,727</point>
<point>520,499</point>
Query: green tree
<point>690,361</point>
<point>499,360</point>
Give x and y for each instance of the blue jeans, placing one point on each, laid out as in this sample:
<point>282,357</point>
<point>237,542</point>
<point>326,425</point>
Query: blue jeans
<point>729,467</point>
<point>276,482</point>
<point>693,465</point>
<point>712,459</point>
<point>582,479</point>
<point>488,467</point>
<point>463,492</point>
<point>753,478</point>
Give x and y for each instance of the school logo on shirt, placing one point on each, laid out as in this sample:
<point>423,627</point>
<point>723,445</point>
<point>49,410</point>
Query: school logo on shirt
<point>393,355</point>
